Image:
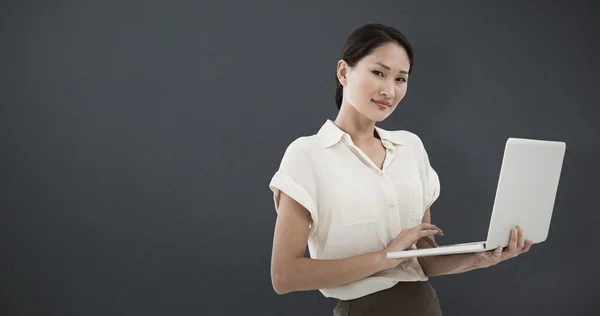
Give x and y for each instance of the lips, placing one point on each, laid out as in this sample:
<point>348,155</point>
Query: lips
<point>382,103</point>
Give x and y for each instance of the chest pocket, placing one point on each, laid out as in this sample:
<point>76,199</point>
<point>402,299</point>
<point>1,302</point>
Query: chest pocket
<point>412,191</point>
<point>356,204</point>
<point>415,199</point>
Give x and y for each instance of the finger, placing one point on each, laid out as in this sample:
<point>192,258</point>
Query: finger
<point>497,253</point>
<point>430,241</point>
<point>512,246</point>
<point>429,226</point>
<point>528,245</point>
<point>425,226</point>
<point>440,231</point>
<point>427,233</point>
<point>521,242</point>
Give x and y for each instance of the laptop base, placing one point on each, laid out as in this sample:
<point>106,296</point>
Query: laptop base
<point>441,250</point>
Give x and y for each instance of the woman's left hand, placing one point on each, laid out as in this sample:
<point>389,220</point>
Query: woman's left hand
<point>516,246</point>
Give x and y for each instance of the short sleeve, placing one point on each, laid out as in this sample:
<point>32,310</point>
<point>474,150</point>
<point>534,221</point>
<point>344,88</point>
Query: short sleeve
<point>295,177</point>
<point>430,179</point>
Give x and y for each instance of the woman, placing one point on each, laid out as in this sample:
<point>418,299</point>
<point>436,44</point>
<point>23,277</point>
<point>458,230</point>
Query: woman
<point>354,191</point>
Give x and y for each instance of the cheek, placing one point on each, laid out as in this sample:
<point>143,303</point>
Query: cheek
<point>401,92</point>
<point>369,84</point>
<point>360,89</point>
<point>365,87</point>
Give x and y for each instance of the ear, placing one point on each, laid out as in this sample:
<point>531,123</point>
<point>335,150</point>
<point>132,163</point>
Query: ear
<point>342,70</point>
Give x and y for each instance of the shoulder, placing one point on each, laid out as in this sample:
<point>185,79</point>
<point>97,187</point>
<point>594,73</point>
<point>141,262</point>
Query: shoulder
<point>303,145</point>
<point>301,150</point>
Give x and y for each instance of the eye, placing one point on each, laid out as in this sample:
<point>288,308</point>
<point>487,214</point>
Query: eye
<point>401,79</point>
<point>377,73</point>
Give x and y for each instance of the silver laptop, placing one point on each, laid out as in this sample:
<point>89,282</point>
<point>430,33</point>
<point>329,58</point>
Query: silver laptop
<point>525,196</point>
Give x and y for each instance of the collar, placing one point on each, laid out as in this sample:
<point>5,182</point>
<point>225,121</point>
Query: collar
<point>330,134</point>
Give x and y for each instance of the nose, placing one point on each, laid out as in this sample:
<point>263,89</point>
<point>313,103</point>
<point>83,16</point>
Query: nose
<point>387,90</point>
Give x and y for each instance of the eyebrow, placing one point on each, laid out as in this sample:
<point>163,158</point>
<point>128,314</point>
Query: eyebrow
<point>388,68</point>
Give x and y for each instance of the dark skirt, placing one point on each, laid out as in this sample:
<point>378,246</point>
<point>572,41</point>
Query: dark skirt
<point>404,298</point>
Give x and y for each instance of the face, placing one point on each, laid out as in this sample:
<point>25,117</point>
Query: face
<point>377,83</point>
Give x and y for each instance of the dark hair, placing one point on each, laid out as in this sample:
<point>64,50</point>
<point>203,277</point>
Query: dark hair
<point>363,41</point>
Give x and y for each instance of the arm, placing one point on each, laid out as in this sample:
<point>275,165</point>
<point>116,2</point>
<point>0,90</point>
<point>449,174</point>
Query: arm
<point>448,264</point>
<point>291,271</point>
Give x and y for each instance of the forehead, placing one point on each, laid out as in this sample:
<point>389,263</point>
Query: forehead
<point>389,54</point>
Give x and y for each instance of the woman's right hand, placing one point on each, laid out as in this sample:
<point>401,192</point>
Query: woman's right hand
<point>410,236</point>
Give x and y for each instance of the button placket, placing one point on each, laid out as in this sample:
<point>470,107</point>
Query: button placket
<point>389,191</point>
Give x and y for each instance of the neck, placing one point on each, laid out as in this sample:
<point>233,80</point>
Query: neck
<point>360,128</point>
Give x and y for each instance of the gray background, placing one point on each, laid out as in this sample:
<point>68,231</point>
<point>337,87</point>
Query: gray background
<point>138,139</point>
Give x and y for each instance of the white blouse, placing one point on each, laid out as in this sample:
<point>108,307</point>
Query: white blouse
<point>355,207</point>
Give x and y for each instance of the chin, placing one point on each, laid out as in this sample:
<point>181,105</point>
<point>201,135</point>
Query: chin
<point>378,116</point>
<point>373,113</point>
<point>381,118</point>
